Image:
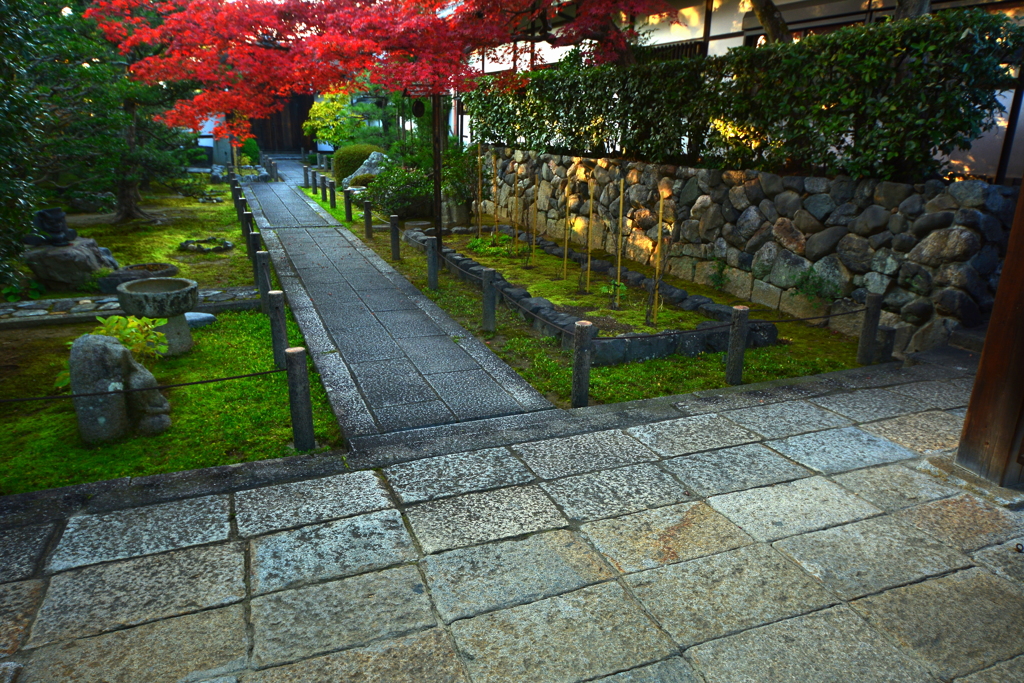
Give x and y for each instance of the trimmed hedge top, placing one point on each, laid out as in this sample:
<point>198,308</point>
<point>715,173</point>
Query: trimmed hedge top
<point>880,100</point>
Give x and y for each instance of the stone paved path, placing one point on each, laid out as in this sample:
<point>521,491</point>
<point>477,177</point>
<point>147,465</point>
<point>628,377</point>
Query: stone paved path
<point>390,358</point>
<point>802,531</point>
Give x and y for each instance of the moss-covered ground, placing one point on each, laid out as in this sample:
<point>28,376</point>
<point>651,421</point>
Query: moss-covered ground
<point>805,350</point>
<point>212,424</point>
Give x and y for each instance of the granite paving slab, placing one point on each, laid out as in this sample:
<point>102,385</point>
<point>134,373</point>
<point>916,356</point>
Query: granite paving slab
<point>309,621</point>
<point>894,487</point>
<point>391,382</point>
<point>479,517</point>
<point>9,671</point>
<point>665,535</point>
<point>473,394</point>
<point>965,522</point>
<point>830,646</point>
<point>468,581</point>
<point>956,624</point>
<point>192,647</point>
<point>89,539</point>
<point>328,551</point>
<point>385,300</point>
<point>866,405</point>
<point>796,507</point>
<point>1010,671</point>
<point>262,510</point>
<point>413,415</point>
<point>715,596</point>
<point>566,456</point>
<point>691,435</point>
<point>839,450</point>
<point>943,395</point>
<point>870,556</point>
<point>96,599</point>
<point>1005,559</point>
<point>733,469</point>
<point>779,420</point>
<point>422,657</point>
<point>18,603</point>
<point>21,549</point>
<point>924,432</point>
<point>432,355</point>
<point>579,635</point>
<point>450,475</point>
<point>672,670</point>
<point>405,324</point>
<point>615,492</point>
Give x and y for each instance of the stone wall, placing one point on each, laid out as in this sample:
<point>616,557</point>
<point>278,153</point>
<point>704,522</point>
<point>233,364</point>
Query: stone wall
<point>933,250</point>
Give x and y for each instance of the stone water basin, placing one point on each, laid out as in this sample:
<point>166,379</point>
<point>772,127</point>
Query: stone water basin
<point>163,297</point>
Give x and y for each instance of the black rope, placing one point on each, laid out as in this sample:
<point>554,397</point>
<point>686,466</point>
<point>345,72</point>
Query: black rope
<point>126,391</point>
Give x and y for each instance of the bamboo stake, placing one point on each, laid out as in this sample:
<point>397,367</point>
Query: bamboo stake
<point>479,191</point>
<point>618,251</point>
<point>495,198</point>
<point>590,225</point>
<point>536,215</point>
<point>657,257</point>
<point>568,228</point>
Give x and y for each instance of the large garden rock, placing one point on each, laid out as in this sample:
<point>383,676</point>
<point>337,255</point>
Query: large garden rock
<point>837,276</point>
<point>690,192</point>
<point>943,246</point>
<point>843,189</point>
<point>372,166</point>
<point>806,223</point>
<point>962,276</point>
<point>856,253</point>
<point>771,184</point>
<point>788,236</point>
<point>958,304</point>
<point>969,193</point>
<point>100,364</point>
<point>68,267</point>
<point>844,214</point>
<point>738,198</point>
<point>758,239</point>
<point>749,221</point>
<point>824,242</point>
<point>889,195</point>
<point>788,269</point>
<point>711,223</point>
<point>819,205</point>
<point>873,220</point>
<point>916,278</point>
<point>917,312</point>
<point>764,260</point>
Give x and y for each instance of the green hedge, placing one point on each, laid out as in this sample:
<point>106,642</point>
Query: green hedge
<point>347,160</point>
<point>879,100</point>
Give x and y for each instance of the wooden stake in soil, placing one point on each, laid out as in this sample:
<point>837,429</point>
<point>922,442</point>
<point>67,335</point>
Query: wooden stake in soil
<point>657,256</point>
<point>479,191</point>
<point>278,327</point>
<point>737,346</point>
<point>536,215</point>
<point>590,225</point>
<point>568,229</point>
<point>367,220</point>
<point>490,298</point>
<point>515,209</point>
<point>298,399</point>
<point>494,198</point>
<point>581,364</point>
<point>618,250</point>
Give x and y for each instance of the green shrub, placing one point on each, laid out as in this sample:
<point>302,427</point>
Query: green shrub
<point>348,159</point>
<point>250,149</point>
<point>881,100</point>
<point>459,173</point>
<point>399,190</point>
<point>362,180</point>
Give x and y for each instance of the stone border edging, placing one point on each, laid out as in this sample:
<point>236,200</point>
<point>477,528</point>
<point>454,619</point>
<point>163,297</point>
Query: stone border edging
<point>244,304</point>
<point>610,350</point>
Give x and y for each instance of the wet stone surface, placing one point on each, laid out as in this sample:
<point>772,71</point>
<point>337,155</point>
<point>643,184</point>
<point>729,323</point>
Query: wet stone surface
<point>340,614</point>
<point>691,435</point>
<point>615,492</point>
<point>752,586</point>
<point>576,454</point>
<point>733,469</point>
<point>1005,559</point>
<point>796,507</point>
<point>469,581</point>
<point>894,487</point>
<point>839,450</point>
<point>673,670</point>
<point>870,556</point>
<point>450,475</point>
<point>330,550</point>
<point>259,511</point>
<point>479,517</point>
<point>870,404</point>
<point>587,633</point>
<point>89,539</point>
<point>102,598</point>
<point>18,601</point>
<point>923,432</point>
<point>958,623</point>
<point>786,419</point>
<point>663,536</point>
<point>20,551</point>
<point>965,522</point>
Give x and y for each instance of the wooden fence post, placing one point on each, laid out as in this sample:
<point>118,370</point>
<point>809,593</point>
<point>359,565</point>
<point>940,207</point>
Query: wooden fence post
<point>866,345</point>
<point>581,346</point>
<point>737,345</point>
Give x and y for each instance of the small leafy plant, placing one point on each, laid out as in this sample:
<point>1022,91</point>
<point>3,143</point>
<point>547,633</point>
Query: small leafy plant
<point>139,335</point>
<point>15,292</point>
<point>719,279</point>
<point>813,285</point>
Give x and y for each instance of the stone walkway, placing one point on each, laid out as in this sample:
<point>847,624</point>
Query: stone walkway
<point>802,531</point>
<point>391,359</point>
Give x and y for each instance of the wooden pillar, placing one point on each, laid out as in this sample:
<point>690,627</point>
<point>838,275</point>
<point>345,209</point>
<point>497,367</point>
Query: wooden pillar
<point>991,443</point>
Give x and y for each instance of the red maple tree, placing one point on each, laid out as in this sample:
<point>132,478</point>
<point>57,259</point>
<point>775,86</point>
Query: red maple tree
<point>246,57</point>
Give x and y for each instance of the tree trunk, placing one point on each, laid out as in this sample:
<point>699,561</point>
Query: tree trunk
<point>775,28</point>
<point>128,195</point>
<point>908,9</point>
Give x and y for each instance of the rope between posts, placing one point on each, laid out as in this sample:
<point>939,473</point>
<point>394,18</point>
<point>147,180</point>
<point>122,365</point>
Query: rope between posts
<point>127,391</point>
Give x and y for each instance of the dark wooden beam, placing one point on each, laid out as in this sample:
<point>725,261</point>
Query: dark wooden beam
<point>991,442</point>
